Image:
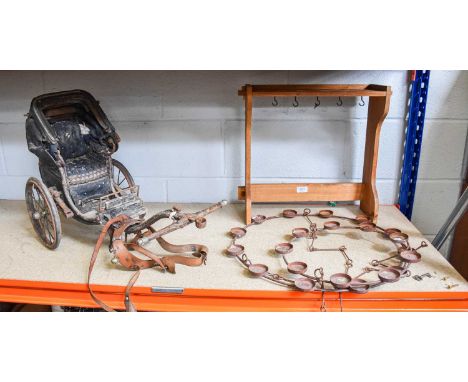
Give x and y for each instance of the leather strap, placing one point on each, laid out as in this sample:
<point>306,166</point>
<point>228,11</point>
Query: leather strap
<point>174,248</point>
<point>128,302</point>
<point>97,247</point>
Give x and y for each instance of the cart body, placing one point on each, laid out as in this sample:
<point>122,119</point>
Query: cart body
<point>74,141</point>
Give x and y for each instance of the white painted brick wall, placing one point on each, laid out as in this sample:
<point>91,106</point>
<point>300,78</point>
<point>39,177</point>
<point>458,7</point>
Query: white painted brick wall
<point>182,133</point>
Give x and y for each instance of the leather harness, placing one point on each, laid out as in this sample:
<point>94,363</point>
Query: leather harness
<point>122,250</point>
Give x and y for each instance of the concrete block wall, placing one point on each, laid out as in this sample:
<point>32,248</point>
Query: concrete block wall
<point>182,133</point>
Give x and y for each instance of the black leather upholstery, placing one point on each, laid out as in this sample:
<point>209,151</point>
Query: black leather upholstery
<point>72,142</point>
<point>87,171</point>
<point>91,164</point>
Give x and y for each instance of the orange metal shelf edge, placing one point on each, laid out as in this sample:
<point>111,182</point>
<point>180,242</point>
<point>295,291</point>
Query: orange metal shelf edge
<point>212,300</point>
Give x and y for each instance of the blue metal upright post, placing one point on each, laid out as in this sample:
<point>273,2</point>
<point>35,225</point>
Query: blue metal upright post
<point>413,141</point>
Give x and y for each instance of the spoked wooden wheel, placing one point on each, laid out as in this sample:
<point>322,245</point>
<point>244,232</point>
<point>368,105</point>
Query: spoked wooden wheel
<point>43,213</point>
<point>121,176</point>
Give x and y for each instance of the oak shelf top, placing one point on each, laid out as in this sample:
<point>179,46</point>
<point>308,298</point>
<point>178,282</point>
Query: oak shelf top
<point>330,90</point>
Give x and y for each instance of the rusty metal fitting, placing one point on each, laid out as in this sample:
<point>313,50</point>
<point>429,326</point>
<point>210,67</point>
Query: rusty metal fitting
<point>367,227</point>
<point>297,267</point>
<point>398,237</point>
<point>304,284</point>
<point>143,241</point>
<point>200,223</point>
<point>238,232</point>
<point>289,214</point>
<point>235,250</point>
<point>359,286</point>
<point>324,214</point>
<point>331,225</point>
<point>258,270</point>
<point>258,219</point>
<point>340,280</point>
<point>283,248</point>
<point>389,231</point>
<point>410,256</point>
<point>362,218</point>
<point>300,232</point>
<point>389,275</point>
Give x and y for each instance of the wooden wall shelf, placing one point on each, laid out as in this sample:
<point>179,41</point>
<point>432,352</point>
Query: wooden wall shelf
<point>365,192</point>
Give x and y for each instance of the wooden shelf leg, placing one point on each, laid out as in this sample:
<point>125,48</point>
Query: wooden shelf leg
<point>248,153</point>
<point>378,109</point>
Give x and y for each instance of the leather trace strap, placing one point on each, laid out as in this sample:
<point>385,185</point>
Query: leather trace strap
<point>97,247</point>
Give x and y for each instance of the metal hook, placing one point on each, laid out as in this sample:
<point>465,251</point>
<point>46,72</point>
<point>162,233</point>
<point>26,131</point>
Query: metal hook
<point>296,102</point>
<point>275,102</point>
<point>317,103</point>
<point>340,102</point>
<point>362,103</point>
<point>323,307</point>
